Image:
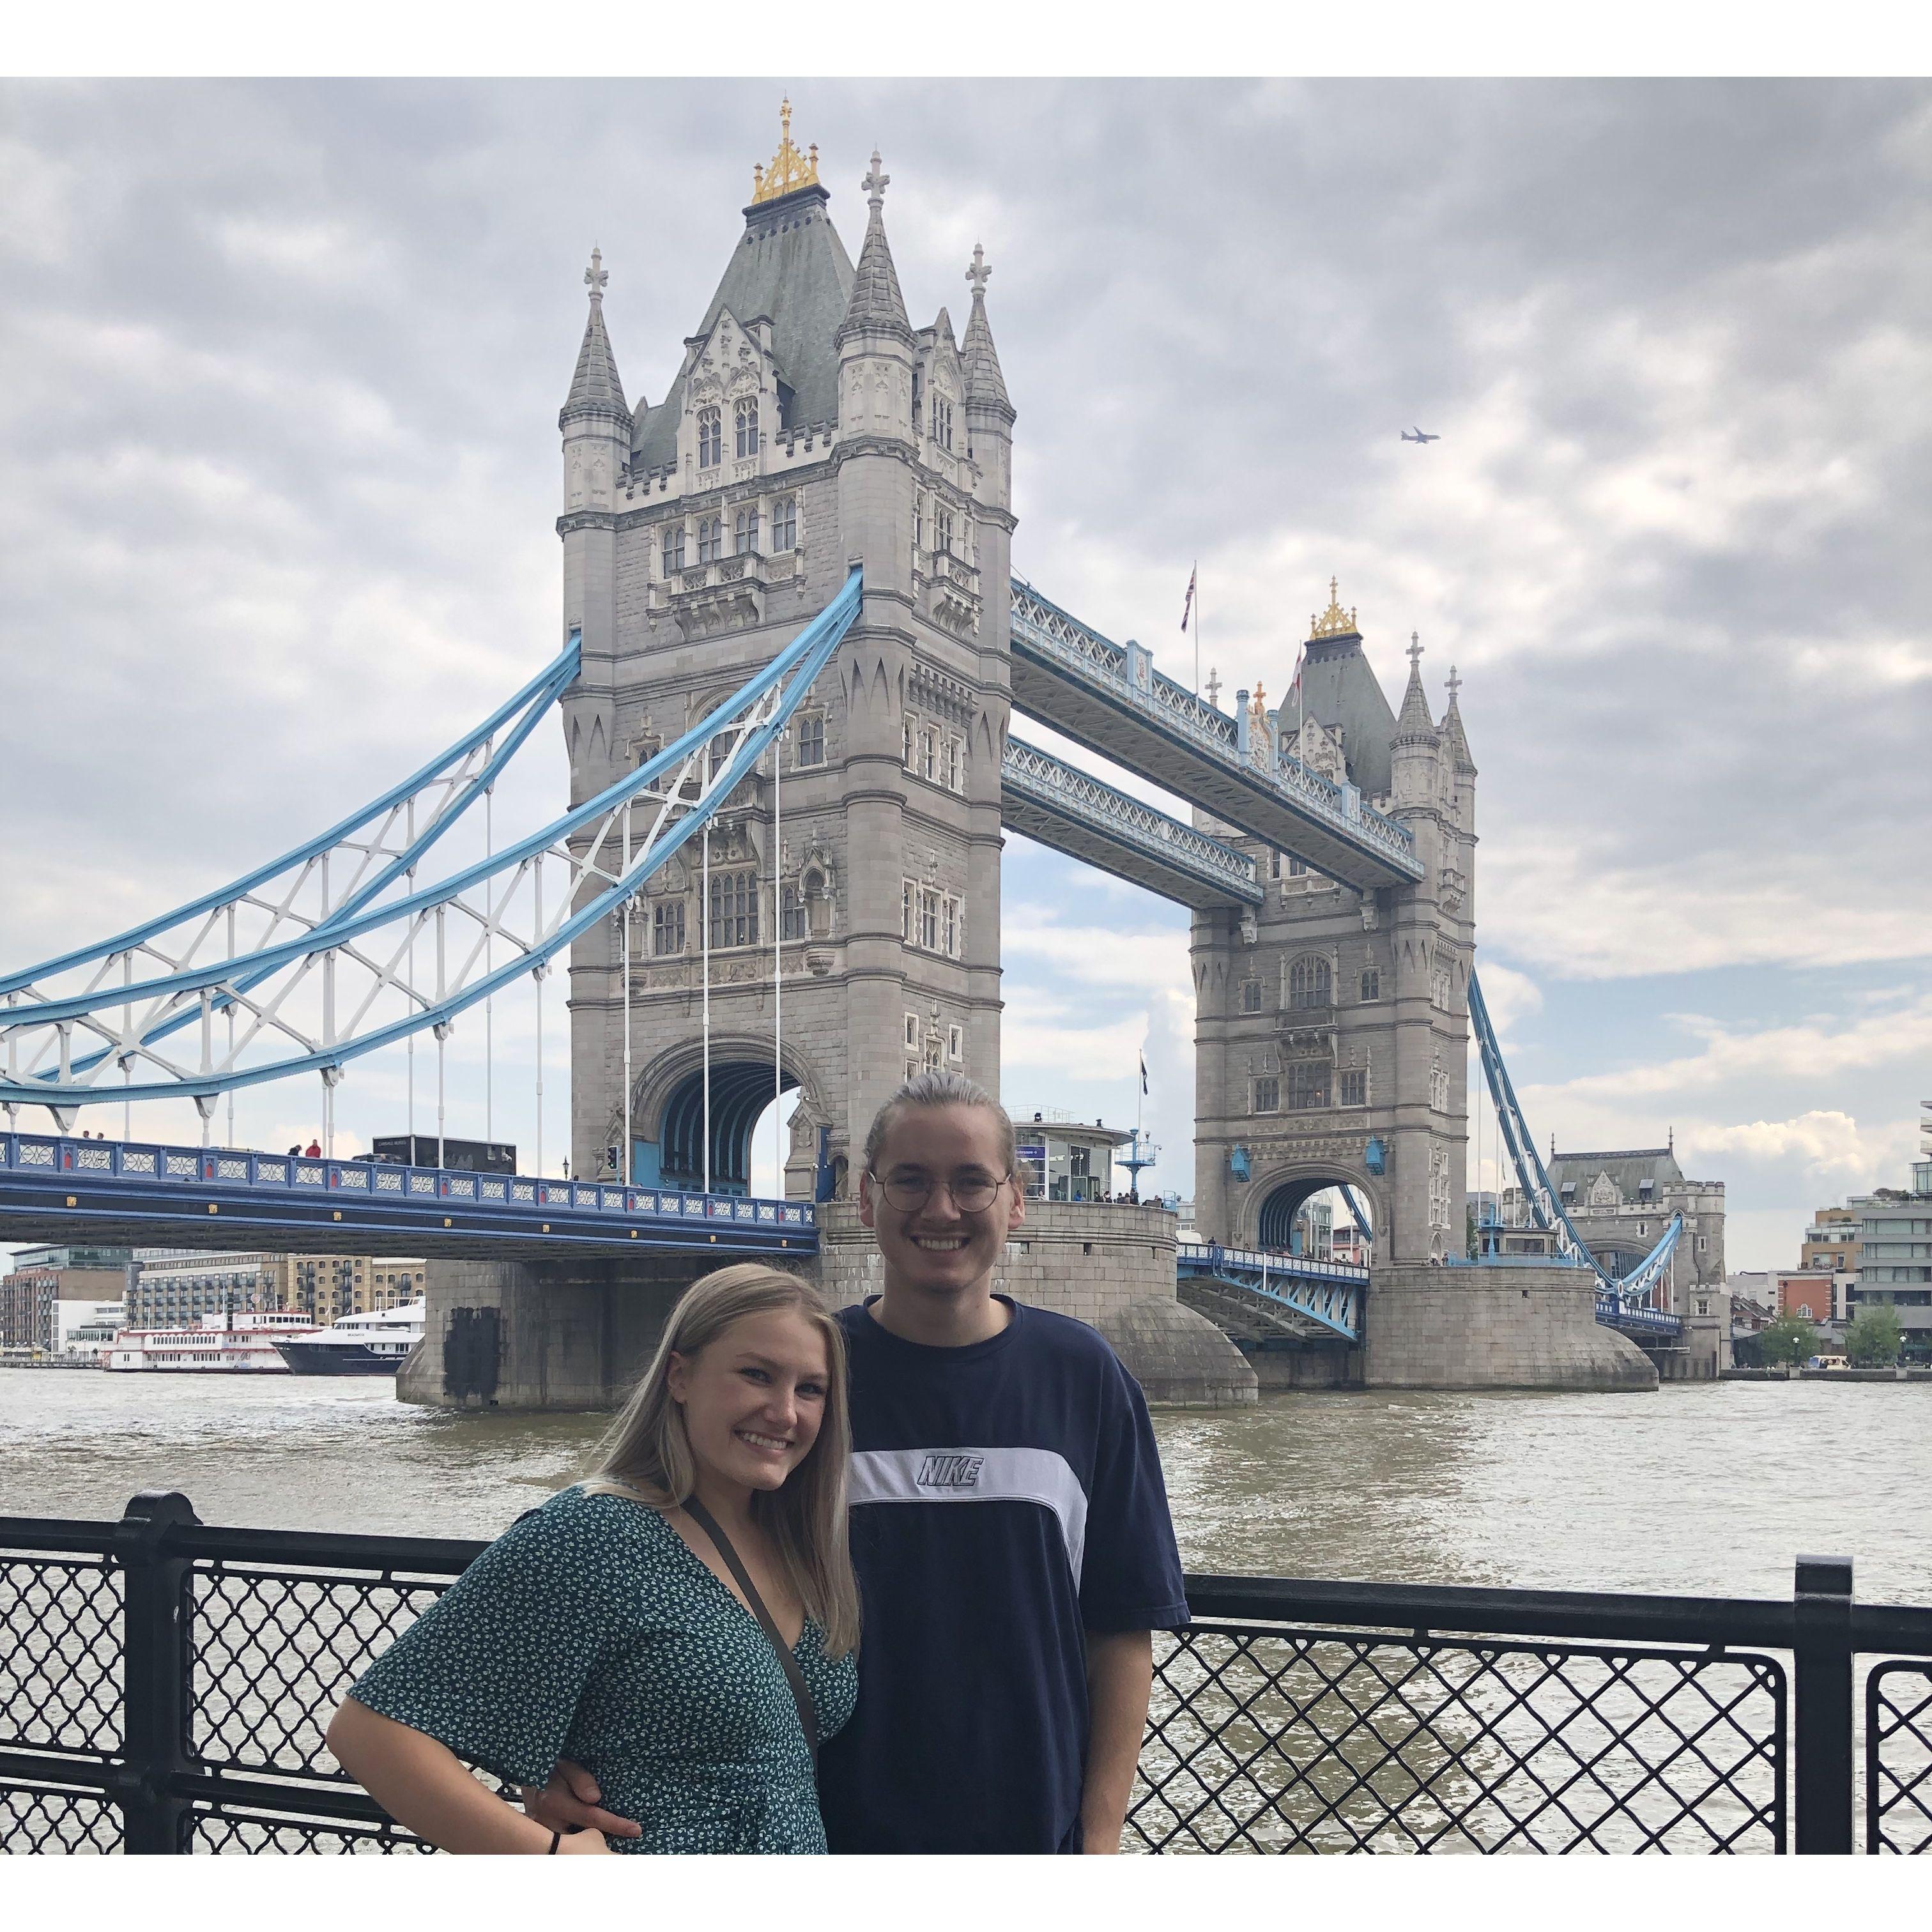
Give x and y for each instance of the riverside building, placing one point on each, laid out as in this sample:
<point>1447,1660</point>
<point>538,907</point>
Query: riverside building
<point>1895,1248</point>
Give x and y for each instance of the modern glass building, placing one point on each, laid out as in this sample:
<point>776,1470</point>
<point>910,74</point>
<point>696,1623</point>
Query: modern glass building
<point>1895,1248</point>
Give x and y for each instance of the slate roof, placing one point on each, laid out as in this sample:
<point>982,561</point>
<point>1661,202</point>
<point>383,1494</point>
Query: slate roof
<point>985,380</point>
<point>1626,1167</point>
<point>1339,688</point>
<point>876,305</point>
<point>596,385</point>
<point>790,266</point>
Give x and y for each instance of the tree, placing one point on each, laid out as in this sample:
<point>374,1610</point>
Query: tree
<point>1874,1339</point>
<point>1791,1339</point>
<point>1471,1248</point>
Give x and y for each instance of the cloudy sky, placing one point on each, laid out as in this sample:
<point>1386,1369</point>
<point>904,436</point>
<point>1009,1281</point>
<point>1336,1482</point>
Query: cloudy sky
<point>278,469</point>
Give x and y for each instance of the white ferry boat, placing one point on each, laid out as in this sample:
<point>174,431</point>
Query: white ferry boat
<point>357,1345</point>
<point>217,1345</point>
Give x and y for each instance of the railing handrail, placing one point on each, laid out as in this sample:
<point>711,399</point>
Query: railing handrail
<point>1893,1629</point>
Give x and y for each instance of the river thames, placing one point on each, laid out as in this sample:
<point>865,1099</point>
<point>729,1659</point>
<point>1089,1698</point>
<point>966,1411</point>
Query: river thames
<point>1711,1487</point>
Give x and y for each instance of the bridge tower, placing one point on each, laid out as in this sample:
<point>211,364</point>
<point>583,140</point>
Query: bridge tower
<point>809,426</point>
<point>1332,1024</point>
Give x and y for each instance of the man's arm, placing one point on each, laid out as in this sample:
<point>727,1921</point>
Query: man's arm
<point>1119,1677</point>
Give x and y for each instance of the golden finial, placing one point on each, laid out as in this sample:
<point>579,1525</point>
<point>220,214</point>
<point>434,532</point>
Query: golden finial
<point>790,170</point>
<point>1334,622</point>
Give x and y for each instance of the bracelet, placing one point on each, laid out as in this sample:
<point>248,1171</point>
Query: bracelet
<point>556,1839</point>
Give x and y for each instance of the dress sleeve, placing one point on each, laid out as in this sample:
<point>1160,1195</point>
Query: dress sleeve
<point>495,1668</point>
<point>1131,1578</point>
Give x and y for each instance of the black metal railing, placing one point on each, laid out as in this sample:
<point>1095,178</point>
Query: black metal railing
<point>165,1686</point>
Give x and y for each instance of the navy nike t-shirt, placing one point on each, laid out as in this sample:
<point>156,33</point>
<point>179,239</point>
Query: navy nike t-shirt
<point>1006,1498</point>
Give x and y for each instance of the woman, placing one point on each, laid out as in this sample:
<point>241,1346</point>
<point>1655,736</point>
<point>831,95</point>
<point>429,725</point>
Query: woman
<point>609,1627</point>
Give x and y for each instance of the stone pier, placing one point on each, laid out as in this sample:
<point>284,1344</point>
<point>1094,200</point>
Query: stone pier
<point>1430,1327</point>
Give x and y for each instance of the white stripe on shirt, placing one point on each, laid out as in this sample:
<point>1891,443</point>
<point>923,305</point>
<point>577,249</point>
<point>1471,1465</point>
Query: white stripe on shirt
<point>978,1476</point>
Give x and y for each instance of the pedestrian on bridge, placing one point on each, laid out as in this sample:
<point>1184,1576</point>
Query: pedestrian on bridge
<point>1009,1527</point>
<point>682,1625</point>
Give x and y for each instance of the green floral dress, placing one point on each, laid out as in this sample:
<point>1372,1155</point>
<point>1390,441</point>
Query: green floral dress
<point>591,1630</point>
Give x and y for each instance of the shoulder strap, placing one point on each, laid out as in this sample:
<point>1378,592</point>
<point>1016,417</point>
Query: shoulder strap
<point>807,1716</point>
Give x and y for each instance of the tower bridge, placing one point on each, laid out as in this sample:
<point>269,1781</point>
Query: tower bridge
<point>792,644</point>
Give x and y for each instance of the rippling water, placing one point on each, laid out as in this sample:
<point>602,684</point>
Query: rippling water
<point>1711,1487</point>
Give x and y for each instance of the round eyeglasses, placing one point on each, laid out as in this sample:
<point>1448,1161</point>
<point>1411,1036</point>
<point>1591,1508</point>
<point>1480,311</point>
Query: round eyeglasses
<point>971,1194</point>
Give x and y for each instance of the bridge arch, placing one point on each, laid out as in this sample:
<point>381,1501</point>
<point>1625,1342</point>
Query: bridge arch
<point>1266,1217</point>
<point>667,1116</point>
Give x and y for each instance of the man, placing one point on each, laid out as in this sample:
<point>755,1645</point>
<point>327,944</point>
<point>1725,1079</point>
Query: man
<point>1009,1527</point>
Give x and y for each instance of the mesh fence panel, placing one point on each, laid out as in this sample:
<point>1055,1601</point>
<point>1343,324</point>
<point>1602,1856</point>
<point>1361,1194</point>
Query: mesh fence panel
<point>274,1651</point>
<point>1898,1758</point>
<point>53,1821</point>
<point>60,1654</point>
<point>1297,1740</point>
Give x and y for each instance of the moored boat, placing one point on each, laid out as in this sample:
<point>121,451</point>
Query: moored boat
<point>216,1344</point>
<point>357,1345</point>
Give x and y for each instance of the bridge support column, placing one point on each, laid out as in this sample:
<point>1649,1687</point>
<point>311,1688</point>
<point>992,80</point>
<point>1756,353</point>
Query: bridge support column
<point>564,1334</point>
<point>1429,1327</point>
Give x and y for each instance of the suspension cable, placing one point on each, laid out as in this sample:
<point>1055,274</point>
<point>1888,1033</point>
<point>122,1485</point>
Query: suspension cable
<point>489,954</point>
<point>624,966</point>
<point>537,973</point>
<point>704,901</point>
<point>778,969</point>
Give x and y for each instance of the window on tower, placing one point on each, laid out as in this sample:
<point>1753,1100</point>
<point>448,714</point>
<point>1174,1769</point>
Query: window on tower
<point>1267,1094</point>
<point>734,909</point>
<point>1372,982</point>
<point>745,428</point>
<point>784,525</point>
<point>1307,1085</point>
<point>794,913</point>
<point>811,738</point>
<point>1251,996</point>
<point>942,422</point>
<point>745,532</point>
<point>942,532</point>
<point>667,927</point>
<point>673,548</point>
<point>710,539</point>
<point>710,439</point>
<point>1354,1082</point>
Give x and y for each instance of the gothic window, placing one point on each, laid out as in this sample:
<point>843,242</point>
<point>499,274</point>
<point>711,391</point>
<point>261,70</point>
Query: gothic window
<point>1267,1094</point>
<point>793,916</point>
<point>1251,996</point>
<point>905,753</point>
<point>1354,1082</point>
<point>1438,1088</point>
<point>942,532</point>
<point>745,428</point>
<point>673,548</point>
<point>1438,1189</point>
<point>1372,983</point>
<point>1307,1085</point>
<point>784,525</point>
<point>934,1051</point>
<point>1298,869</point>
<point>1274,865</point>
<point>710,439</point>
<point>1438,987</point>
<point>956,1042</point>
<point>817,903</point>
<point>953,909</point>
<point>928,920</point>
<point>667,927</point>
<point>918,524</point>
<point>745,532</point>
<point>942,422</point>
<point>710,539</point>
<point>911,1034</point>
<point>928,753</point>
<point>734,909</point>
<point>1308,983</point>
<point>812,738</point>
<point>955,764</point>
<point>908,900</point>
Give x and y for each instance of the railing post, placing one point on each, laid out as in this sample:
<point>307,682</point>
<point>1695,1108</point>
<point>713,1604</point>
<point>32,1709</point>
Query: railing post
<point>1821,1730</point>
<point>154,1668</point>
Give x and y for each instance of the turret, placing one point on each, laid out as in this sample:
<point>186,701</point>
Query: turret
<point>595,420</point>
<point>990,414</point>
<point>1414,749</point>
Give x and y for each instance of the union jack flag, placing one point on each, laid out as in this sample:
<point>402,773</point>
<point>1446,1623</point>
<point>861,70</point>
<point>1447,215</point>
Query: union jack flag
<point>1188,606</point>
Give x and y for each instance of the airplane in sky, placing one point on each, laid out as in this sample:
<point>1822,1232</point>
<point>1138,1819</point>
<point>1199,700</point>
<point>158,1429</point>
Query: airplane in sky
<point>1418,436</point>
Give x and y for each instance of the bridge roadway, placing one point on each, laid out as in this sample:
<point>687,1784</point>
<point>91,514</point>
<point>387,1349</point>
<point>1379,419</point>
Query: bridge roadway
<point>1250,1291</point>
<point>1073,812</point>
<point>1109,698</point>
<point>56,1188</point>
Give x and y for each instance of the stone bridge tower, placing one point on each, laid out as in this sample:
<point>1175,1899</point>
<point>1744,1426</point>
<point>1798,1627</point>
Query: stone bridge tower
<point>1332,1026</point>
<point>809,426</point>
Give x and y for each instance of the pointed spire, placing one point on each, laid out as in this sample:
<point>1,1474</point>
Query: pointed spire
<point>876,307</point>
<point>985,383</point>
<point>1452,726</point>
<point>1414,721</point>
<point>596,389</point>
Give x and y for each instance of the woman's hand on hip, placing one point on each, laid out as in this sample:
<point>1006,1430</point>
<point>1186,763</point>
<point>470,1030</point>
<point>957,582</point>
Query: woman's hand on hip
<point>584,1845</point>
<point>570,1802</point>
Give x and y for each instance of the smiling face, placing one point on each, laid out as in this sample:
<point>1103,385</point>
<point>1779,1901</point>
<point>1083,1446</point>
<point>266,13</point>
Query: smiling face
<point>753,1397</point>
<point>941,1248</point>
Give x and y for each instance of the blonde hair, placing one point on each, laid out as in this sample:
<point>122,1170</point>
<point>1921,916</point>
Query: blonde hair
<point>647,1453</point>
